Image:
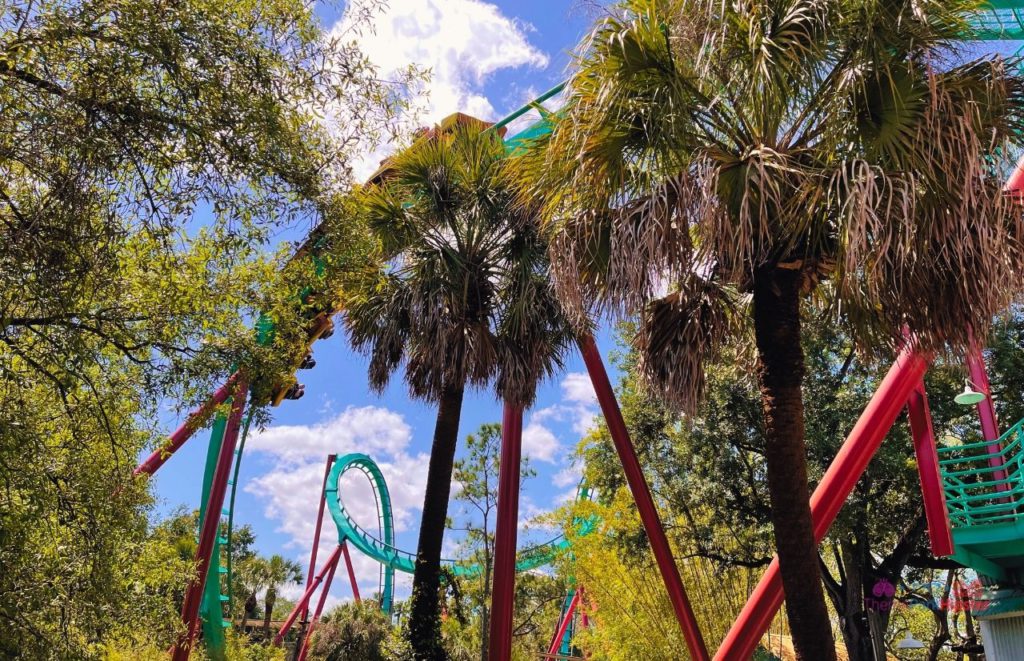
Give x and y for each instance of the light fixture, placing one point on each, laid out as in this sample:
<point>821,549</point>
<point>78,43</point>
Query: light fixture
<point>970,396</point>
<point>910,643</point>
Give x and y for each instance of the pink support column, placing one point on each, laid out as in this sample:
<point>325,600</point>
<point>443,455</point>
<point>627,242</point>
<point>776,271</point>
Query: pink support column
<point>986,412</point>
<point>644,502</point>
<point>316,532</point>
<point>1015,184</point>
<point>351,571</point>
<point>556,642</point>
<point>828,498</point>
<point>504,589</point>
<point>304,599</point>
<point>939,531</point>
<point>193,422</point>
<point>319,610</point>
<point>211,525</point>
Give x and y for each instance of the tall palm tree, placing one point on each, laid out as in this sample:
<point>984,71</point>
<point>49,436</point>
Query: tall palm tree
<point>279,571</point>
<point>462,299</point>
<point>252,576</point>
<point>717,161</point>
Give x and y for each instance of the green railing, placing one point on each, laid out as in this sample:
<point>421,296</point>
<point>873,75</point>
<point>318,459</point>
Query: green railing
<point>983,487</point>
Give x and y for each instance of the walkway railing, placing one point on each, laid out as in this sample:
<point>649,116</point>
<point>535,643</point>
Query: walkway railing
<point>973,496</point>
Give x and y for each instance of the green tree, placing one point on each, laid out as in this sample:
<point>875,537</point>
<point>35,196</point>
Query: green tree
<point>278,572</point>
<point>741,153</point>
<point>356,631</point>
<point>148,151</point>
<point>462,298</point>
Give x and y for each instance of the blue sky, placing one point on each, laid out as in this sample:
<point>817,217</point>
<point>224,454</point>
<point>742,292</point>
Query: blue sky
<point>486,59</point>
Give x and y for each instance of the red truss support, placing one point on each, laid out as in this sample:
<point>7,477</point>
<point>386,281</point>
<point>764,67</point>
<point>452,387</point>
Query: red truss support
<point>828,498</point>
<point>192,423</point>
<point>504,590</point>
<point>211,525</point>
<point>644,502</point>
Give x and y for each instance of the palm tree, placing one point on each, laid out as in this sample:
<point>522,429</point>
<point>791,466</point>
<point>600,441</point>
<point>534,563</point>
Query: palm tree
<point>717,161</point>
<point>279,571</point>
<point>462,299</point>
<point>252,576</point>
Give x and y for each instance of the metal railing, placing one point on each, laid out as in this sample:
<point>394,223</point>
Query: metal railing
<point>975,493</point>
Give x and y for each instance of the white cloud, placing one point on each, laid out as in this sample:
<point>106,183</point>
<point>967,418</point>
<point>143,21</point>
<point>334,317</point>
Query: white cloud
<point>568,476</point>
<point>577,388</point>
<point>539,442</point>
<point>461,42</point>
<point>369,429</point>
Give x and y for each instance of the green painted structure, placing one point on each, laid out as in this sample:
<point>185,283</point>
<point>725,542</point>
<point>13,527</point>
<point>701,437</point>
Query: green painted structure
<point>381,547</point>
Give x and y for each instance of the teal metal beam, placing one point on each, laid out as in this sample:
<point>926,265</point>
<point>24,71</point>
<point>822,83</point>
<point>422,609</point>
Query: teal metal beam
<point>516,114</point>
<point>969,558</point>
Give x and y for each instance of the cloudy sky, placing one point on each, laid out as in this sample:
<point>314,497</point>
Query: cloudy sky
<point>485,59</point>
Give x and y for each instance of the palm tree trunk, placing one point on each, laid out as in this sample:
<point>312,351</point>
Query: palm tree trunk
<point>268,610</point>
<point>425,616</point>
<point>780,372</point>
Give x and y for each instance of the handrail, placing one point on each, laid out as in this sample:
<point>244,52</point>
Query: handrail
<point>1016,428</point>
<point>971,498</point>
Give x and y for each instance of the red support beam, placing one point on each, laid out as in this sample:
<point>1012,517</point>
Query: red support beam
<point>1015,184</point>
<point>316,532</point>
<point>556,642</point>
<point>504,589</point>
<point>193,422</point>
<point>828,498</point>
<point>644,502</point>
<point>986,411</point>
<point>211,525</point>
<point>939,531</point>
<point>351,571</point>
<point>319,609</point>
<point>304,599</point>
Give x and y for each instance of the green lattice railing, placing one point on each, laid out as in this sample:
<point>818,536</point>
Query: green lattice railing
<point>1004,22</point>
<point>975,492</point>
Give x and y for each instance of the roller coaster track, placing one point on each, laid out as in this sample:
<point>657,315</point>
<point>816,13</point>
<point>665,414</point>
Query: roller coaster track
<point>395,559</point>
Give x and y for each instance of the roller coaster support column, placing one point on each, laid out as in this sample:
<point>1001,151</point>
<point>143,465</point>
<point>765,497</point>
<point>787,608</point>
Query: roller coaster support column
<point>316,532</point>
<point>828,498</point>
<point>556,642</point>
<point>193,422</point>
<point>303,602</point>
<point>986,412</point>
<point>939,532</point>
<point>351,571</point>
<point>504,590</point>
<point>644,501</point>
<point>319,609</point>
<point>211,524</point>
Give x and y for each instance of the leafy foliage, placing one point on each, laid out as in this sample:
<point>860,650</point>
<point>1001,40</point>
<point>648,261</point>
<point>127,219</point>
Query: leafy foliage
<point>148,151</point>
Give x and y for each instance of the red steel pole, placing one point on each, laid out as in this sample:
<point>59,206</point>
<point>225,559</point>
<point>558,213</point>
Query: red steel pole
<point>211,525</point>
<point>304,599</point>
<point>828,498</point>
<point>316,532</point>
<point>564,624</point>
<point>986,412</point>
<point>193,422</point>
<point>1015,184</point>
<point>351,571</point>
<point>504,590</point>
<point>644,502</point>
<point>939,531</point>
<point>319,610</point>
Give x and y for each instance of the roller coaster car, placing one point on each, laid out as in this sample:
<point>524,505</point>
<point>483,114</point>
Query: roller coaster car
<point>322,327</point>
<point>446,126</point>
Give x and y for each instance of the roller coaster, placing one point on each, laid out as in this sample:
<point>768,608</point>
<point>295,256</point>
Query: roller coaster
<point>380,547</point>
<point>973,495</point>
